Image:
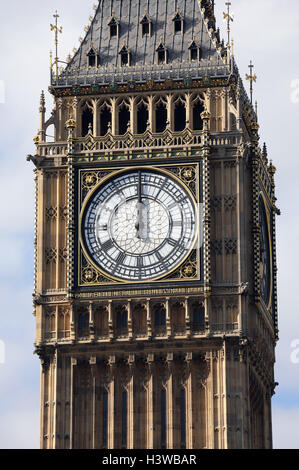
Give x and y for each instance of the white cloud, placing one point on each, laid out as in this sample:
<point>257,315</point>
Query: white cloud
<point>18,427</point>
<point>285,427</point>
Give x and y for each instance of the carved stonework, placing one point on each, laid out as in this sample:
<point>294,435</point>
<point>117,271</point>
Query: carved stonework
<point>51,255</point>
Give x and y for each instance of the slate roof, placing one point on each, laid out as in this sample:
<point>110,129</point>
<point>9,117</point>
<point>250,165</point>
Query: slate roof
<point>199,26</point>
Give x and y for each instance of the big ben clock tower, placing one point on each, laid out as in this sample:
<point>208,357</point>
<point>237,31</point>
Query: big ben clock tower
<point>155,269</point>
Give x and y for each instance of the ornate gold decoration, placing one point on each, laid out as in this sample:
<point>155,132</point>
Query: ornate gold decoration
<point>70,124</point>
<point>88,274</point>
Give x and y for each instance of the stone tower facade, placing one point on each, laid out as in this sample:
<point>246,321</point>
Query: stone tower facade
<point>155,266</point>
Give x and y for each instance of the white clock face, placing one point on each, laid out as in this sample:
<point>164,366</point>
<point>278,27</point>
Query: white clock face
<point>139,225</point>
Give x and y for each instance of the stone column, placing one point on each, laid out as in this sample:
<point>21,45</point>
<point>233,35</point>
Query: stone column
<point>170,112</point>
<point>94,430</point>
<point>148,318</point>
<point>149,387</point>
<point>110,320</point>
<point>73,322</point>
<point>151,112</point>
<point>130,323</point>
<point>72,402</point>
<point>189,411</point>
<point>188,111</point>
<point>113,116</point>
<point>130,391</point>
<point>132,125</point>
<point>168,319</point>
<point>91,322</point>
<point>169,401</point>
<point>95,117</point>
<point>111,401</point>
<point>187,317</point>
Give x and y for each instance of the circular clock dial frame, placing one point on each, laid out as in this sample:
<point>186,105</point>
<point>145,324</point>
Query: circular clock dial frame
<point>265,253</point>
<point>139,225</point>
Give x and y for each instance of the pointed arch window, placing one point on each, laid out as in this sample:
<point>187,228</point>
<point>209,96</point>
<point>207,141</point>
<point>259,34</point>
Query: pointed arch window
<point>146,26</point>
<point>93,59</point>
<point>162,54</point>
<point>161,115</point>
<point>194,51</point>
<point>113,27</point>
<point>179,115</point>
<point>160,316</point>
<point>198,317</point>
<point>83,324</point>
<point>142,117</point>
<point>125,56</point>
<point>198,108</point>
<point>105,119</point>
<point>178,23</point>
<point>86,119</point>
<point>124,117</point>
<point>122,318</point>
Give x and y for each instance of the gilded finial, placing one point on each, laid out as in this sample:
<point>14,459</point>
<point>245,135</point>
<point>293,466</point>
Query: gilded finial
<point>57,29</point>
<point>229,19</point>
<point>251,78</point>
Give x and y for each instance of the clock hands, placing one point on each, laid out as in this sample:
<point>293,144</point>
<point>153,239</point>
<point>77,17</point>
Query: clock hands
<point>140,225</point>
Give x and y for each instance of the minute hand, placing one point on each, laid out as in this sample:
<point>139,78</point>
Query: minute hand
<point>140,208</point>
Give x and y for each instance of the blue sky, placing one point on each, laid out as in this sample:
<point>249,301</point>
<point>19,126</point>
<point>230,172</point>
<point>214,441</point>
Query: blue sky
<point>265,31</point>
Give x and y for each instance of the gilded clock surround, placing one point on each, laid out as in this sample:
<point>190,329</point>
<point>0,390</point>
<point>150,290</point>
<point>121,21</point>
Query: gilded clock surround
<point>89,273</point>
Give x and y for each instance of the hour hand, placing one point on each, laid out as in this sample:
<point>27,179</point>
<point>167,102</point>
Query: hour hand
<point>140,223</point>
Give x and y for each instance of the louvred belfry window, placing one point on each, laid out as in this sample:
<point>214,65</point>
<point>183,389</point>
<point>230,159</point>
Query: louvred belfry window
<point>194,51</point>
<point>93,58</point>
<point>162,54</point>
<point>178,22</point>
<point>146,26</point>
<point>125,57</point>
<point>113,27</point>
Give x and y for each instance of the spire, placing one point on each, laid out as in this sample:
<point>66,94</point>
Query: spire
<point>57,29</point>
<point>229,19</point>
<point>42,112</point>
<point>251,78</point>
<point>265,153</point>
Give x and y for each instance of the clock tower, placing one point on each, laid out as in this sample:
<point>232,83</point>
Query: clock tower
<point>155,267</point>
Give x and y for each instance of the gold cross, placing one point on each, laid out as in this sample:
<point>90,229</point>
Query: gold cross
<point>227,16</point>
<point>251,78</point>
<point>57,29</point>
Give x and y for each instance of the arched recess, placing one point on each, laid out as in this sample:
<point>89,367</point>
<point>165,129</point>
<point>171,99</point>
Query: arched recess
<point>105,118</point>
<point>124,117</point>
<point>101,321</point>
<point>177,317</point>
<point>142,115</point>
<point>160,107</point>
<point>159,318</point>
<point>179,113</point>
<point>197,106</point>
<point>86,117</point>
<point>198,316</point>
<point>139,320</point>
<point>83,322</point>
<point>121,321</point>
